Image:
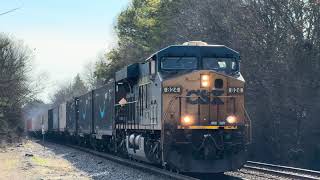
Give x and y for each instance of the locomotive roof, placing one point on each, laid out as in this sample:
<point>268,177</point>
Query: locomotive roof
<point>199,51</point>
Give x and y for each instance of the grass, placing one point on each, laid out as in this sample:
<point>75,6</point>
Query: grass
<point>39,161</point>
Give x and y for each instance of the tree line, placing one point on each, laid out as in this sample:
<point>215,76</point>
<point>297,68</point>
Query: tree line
<point>15,86</point>
<point>279,42</point>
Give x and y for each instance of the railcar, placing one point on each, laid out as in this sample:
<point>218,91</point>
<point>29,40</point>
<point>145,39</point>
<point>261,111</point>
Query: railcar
<point>37,122</point>
<point>71,116</point>
<point>55,119</point>
<point>84,103</point>
<point>34,124</point>
<point>182,108</point>
<point>62,115</point>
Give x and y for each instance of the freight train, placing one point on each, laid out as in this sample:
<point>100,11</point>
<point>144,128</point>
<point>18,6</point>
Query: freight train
<point>182,108</point>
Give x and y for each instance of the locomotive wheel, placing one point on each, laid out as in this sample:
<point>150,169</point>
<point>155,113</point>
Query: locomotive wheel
<point>78,141</point>
<point>93,143</point>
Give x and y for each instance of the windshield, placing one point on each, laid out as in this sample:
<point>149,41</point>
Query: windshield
<point>220,64</point>
<point>180,63</point>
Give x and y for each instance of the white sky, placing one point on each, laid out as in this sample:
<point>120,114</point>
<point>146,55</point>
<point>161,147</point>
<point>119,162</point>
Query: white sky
<point>64,35</point>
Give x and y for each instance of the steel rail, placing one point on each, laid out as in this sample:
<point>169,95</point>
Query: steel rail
<point>291,172</point>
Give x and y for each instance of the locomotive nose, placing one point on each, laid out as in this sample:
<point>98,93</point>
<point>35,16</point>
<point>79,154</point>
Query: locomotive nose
<point>206,98</point>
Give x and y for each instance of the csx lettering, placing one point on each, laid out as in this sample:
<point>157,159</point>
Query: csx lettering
<point>202,97</point>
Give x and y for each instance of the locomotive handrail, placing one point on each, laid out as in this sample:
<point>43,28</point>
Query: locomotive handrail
<point>131,102</point>
<point>211,96</point>
<point>249,125</point>
<point>163,129</point>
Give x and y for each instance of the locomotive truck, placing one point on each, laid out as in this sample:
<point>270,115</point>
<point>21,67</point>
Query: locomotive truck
<point>182,108</point>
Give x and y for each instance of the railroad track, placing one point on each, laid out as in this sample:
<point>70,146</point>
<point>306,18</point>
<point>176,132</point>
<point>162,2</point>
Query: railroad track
<point>284,171</point>
<point>143,166</point>
<point>134,164</point>
<point>278,170</point>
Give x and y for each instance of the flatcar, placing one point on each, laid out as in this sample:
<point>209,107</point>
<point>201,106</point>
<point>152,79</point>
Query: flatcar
<point>182,108</point>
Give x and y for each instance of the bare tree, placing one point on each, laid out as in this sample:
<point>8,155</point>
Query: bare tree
<point>14,83</point>
<point>69,91</point>
<point>89,73</point>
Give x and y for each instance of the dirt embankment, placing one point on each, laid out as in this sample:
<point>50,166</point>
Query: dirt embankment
<point>30,160</point>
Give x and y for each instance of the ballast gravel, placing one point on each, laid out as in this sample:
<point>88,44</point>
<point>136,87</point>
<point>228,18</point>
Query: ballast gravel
<point>254,175</point>
<point>100,168</point>
<point>31,160</point>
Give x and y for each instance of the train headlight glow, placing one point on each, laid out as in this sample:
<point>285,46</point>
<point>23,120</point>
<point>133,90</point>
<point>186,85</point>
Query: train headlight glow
<point>186,120</point>
<point>205,80</point>
<point>231,119</point>
<point>204,84</point>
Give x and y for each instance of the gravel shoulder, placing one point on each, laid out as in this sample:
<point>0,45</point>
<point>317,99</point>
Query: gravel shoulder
<point>31,160</point>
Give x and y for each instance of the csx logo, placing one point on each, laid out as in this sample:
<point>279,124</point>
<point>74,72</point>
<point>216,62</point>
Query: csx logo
<point>204,97</point>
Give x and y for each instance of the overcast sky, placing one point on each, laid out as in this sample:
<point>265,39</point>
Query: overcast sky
<point>64,34</point>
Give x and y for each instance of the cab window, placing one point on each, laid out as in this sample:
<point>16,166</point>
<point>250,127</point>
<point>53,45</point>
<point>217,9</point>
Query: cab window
<point>179,63</point>
<point>220,64</point>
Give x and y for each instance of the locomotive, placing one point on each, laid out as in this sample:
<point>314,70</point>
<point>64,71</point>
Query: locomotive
<point>182,108</point>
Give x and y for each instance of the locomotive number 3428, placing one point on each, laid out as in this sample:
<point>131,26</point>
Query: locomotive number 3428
<point>172,89</point>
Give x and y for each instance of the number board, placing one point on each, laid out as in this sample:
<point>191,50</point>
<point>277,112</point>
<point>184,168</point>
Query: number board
<point>235,90</point>
<point>172,89</point>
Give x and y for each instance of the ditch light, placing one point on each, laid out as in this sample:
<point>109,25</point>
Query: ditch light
<point>205,80</point>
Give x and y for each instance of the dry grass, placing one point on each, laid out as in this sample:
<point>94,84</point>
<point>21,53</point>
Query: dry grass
<point>16,166</point>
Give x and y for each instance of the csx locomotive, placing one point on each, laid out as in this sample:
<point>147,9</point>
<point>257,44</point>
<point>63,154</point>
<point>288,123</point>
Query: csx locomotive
<point>182,108</point>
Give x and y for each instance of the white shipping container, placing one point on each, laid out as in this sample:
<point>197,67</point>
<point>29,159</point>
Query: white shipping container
<point>62,117</point>
<point>45,120</point>
<point>36,123</point>
<point>55,118</point>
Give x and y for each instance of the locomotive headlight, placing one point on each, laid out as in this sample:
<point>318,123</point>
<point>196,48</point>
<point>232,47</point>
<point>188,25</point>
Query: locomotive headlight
<point>186,120</point>
<point>205,80</point>
<point>231,119</point>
